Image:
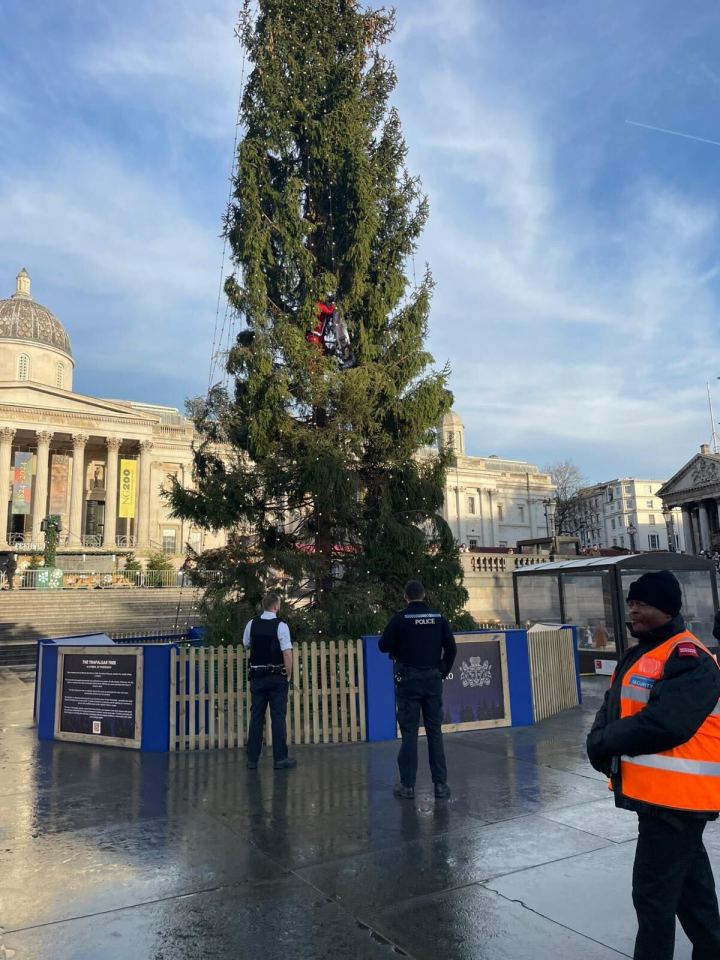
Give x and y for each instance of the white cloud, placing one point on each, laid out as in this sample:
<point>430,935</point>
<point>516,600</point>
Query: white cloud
<point>563,321</point>
<point>182,61</point>
<point>108,234</point>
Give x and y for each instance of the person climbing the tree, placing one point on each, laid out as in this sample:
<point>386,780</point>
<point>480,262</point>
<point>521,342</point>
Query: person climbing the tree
<point>323,313</point>
<point>330,333</point>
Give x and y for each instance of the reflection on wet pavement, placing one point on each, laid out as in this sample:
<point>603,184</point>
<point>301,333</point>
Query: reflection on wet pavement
<point>108,854</point>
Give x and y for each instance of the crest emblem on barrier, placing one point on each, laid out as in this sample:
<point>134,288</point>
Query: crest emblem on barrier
<point>477,673</point>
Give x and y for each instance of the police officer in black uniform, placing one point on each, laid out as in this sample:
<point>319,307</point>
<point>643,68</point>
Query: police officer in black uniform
<point>421,643</point>
<point>269,671</point>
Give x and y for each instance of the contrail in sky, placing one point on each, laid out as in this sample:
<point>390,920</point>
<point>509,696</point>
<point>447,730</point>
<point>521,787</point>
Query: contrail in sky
<point>674,133</point>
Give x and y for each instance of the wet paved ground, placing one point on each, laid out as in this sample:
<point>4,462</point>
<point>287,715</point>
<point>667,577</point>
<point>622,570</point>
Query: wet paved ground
<point>108,854</point>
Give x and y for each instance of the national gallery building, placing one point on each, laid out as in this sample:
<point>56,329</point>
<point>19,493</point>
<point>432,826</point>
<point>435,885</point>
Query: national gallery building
<point>100,465</point>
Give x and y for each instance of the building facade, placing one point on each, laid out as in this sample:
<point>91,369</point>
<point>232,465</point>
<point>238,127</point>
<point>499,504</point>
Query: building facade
<point>694,493</point>
<point>628,513</point>
<point>101,465</point>
<point>491,502</point>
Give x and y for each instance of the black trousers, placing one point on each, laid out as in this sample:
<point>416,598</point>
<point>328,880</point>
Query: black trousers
<point>419,691</point>
<point>672,877</point>
<point>267,691</point>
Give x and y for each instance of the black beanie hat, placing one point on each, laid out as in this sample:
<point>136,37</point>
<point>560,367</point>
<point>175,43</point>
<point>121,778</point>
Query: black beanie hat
<point>659,589</point>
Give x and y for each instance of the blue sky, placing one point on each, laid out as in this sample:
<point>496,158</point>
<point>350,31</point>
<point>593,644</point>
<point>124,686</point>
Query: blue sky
<point>575,254</point>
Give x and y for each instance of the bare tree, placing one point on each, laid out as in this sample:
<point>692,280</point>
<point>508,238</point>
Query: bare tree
<point>571,511</point>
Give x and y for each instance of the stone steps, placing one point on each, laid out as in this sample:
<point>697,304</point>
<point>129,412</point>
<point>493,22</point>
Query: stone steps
<point>28,616</point>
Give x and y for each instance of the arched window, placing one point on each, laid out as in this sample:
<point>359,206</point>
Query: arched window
<point>60,375</point>
<point>23,367</point>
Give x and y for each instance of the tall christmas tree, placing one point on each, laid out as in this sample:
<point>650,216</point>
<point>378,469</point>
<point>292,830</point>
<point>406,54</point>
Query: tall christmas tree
<point>321,467</point>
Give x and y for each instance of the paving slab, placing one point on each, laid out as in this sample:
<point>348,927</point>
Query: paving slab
<point>600,817</point>
<point>274,920</point>
<point>371,882</point>
<point>90,871</point>
<point>591,894</point>
<point>474,923</point>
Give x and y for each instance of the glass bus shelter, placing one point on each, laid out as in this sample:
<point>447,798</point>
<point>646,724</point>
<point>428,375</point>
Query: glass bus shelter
<point>590,593</point>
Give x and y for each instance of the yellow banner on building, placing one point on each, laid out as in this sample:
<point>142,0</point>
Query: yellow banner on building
<point>128,488</point>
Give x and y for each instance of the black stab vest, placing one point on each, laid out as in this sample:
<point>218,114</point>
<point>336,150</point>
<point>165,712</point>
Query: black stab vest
<point>264,644</point>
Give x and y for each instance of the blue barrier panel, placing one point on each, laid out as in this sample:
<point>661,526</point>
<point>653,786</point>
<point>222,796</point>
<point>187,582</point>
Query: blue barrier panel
<point>380,689</point>
<point>379,692</point>
<point>156,699</point>
<point>48,688</point>
<point>518,665</point>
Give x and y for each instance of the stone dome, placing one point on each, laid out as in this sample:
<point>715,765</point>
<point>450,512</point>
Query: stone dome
<point>452,433</point>
<point>451,419</point>
<point>21,318</point>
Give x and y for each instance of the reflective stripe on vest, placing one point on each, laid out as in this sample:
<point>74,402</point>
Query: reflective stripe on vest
<point>687,777</point>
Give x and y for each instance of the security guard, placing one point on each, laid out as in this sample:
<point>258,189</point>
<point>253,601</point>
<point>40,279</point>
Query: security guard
<point>269,672</point>
<point>423,648</point>
<point>657,735</point>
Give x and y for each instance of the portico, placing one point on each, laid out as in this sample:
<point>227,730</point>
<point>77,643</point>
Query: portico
<point>696,490</point>
<point>101,465</point>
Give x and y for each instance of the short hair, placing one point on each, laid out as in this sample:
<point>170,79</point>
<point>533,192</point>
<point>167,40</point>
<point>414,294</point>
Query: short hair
<point>269,601</point>
<point>414,590</point>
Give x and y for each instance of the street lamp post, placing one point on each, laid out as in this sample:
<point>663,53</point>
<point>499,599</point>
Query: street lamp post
<point>632,533</point>
<point>670,527</point>
<point>549,505</point>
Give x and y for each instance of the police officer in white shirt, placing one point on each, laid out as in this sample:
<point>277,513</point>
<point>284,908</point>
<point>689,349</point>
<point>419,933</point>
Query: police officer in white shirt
<point>269,671</point>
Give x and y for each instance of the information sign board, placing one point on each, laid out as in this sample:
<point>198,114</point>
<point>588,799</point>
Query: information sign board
<point>476,694</point>
<point>99,695</point>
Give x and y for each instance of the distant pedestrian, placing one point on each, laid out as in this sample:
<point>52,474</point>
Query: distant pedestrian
<point>10,570</point>
<point>269,671</point>
<point>422,645</point>
<point>657,736</point>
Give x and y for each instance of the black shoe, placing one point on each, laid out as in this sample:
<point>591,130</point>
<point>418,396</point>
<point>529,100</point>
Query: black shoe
<point>405,793</point>
<point>287,764</point>
<point>442,791</point>
<point>252,764</point>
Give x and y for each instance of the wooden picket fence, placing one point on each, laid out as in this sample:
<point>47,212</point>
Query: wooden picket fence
<point>553,674</point>
<point>210,700</point>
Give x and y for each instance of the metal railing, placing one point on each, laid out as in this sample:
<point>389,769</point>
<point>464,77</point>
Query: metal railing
<point>98,580</point>
<point>23,540</point>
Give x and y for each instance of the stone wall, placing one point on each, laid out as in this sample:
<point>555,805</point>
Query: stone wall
<point>489,581</point>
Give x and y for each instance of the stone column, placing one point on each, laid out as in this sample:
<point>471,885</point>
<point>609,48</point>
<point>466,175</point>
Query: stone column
<point>77,489</point>
<point>39,504</point>
<point>704,527</point>
<point>489,493</point>
<point>111,491</point>
<point>695,523</point>
<point>6,439</point>
<point>458,499</point>
<point>687,530</point>
<point>143,500</point>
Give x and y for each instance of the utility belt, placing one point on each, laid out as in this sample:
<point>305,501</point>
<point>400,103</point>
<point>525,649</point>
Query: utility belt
<point>404,670</point>
<point>266,670</point>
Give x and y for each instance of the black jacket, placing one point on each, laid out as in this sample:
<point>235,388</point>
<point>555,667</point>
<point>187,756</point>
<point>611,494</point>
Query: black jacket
<point>678,706</point>
<point>419,636</point>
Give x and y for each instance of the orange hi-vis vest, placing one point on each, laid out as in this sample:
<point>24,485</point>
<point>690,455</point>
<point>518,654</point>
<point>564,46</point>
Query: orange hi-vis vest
<point>686,777</point>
